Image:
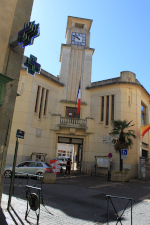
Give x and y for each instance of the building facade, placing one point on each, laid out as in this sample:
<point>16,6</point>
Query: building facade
<point>47,110</point>
<point>13,15</point>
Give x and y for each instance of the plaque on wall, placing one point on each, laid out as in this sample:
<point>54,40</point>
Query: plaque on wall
<point>38,132</point>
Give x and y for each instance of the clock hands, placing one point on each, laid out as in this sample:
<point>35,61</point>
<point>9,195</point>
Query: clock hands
<point>76,37</point>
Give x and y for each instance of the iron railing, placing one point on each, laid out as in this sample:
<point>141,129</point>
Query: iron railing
<point>119,216</point>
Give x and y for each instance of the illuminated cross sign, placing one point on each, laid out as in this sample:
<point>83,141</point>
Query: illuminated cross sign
<point>32,65</point>
<point>27,35</point>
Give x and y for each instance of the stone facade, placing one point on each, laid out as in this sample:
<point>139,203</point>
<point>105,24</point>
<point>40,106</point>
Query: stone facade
<point>42,109</point>
<point>13,15</point>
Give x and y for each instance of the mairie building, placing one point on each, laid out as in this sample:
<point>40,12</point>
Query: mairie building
<point>46,109</point>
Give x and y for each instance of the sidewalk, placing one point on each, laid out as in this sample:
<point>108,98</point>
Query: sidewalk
<point>88,191</point>
<point>2,217</point>
<point>48,215</point>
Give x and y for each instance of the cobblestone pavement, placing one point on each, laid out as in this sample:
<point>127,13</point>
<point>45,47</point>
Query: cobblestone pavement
<point>79,200</point>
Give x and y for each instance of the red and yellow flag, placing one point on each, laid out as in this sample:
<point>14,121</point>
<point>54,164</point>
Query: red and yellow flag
<point>145,129</point>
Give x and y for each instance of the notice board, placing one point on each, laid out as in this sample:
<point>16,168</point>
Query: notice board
<point>102,162</point>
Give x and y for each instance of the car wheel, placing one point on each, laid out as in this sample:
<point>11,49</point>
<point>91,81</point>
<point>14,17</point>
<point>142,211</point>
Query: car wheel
<point>7,174</point>
<point>39,174</point>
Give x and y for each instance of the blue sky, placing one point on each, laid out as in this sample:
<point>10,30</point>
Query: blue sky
<point>120,35</point>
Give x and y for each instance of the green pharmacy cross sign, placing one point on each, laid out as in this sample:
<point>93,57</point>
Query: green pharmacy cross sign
<point>32,65</point>
<point>27,35</point>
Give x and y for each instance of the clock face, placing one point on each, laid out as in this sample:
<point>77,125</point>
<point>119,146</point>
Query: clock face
<point>78,39</point>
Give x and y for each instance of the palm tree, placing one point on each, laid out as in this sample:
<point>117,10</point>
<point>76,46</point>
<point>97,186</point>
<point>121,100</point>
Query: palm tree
<point>124,140</point>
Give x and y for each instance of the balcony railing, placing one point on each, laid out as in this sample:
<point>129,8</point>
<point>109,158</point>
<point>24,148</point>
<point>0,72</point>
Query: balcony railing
<point>73,122</point>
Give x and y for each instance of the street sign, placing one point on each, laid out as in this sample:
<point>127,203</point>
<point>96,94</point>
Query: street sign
<point>109,155</point>
<point>20,134</point>
<point>124,153</point>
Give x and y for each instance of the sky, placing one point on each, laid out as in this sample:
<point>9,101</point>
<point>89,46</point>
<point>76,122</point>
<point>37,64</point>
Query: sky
<point>120,35</point>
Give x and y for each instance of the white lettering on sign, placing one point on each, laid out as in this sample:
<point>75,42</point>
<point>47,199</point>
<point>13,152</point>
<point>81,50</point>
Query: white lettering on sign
<point>124,153</point>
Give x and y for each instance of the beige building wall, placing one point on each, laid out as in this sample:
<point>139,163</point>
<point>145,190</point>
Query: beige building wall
<point>42,133</point>
<point>38,136</point>
<point>13,15</point>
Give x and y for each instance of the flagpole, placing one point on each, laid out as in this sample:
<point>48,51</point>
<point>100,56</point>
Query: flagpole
<point>79,97</point>
<point>77,92</point>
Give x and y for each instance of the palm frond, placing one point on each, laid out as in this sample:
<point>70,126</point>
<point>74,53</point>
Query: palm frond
<point>119,128</point>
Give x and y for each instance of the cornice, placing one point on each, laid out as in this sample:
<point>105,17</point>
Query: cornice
<point>117,82</point>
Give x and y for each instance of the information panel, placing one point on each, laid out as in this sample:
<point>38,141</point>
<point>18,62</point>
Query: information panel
<point>102,162</point>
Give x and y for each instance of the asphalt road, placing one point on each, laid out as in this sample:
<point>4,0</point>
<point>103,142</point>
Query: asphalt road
<point>84,197</point>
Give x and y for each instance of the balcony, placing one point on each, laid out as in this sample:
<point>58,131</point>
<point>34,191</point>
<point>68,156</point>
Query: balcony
<point>73,122</point>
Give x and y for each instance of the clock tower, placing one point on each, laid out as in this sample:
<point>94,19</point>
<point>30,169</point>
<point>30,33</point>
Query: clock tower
<point>76,59</point>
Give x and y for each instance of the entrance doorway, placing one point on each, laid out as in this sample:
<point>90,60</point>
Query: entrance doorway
<point>72,147</point>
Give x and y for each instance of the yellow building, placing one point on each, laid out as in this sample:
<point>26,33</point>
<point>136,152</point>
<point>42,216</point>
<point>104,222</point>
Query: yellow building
<point>13,15</point>
<point>47,111</point>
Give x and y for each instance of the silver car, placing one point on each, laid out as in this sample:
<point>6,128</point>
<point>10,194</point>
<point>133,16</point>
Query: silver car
<point>30,167</point>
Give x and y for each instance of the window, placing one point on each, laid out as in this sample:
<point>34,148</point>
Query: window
<point>32,164</point>
<point>21,164</point>
<point>46,102</point>
<point>143,114</point>
<point>72,112</point>
<point>102,108</point>
<point>107,110</point>
<point>107,107</point>
<point>144,153</point>
<point>41,104</point>
<point>24,164</point>
<point>79,25</point>
<point>144,145</point>
<point>112,107</point>
<point>39,164</point>
<point>37,97</point>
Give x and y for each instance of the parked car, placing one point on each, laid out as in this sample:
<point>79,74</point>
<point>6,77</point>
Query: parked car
<point>30,167</point>
<point>63,161</point>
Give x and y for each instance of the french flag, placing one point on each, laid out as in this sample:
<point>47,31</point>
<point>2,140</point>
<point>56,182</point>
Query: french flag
<point>79,99</point>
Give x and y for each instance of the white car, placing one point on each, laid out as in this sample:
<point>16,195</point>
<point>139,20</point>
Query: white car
<point>63,161</point>
<point>30,167</point>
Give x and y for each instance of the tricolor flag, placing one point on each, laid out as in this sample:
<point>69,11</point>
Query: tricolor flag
<point>79,99</point>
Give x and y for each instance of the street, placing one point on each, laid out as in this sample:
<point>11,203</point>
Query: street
<point>82,199</point>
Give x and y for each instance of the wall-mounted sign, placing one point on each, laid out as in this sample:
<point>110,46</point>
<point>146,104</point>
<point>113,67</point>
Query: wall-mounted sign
<point>26,36</point>
<point>38,132</point>
<point>32,65</point>
<point>102,162</point>
<point>20,134</point>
